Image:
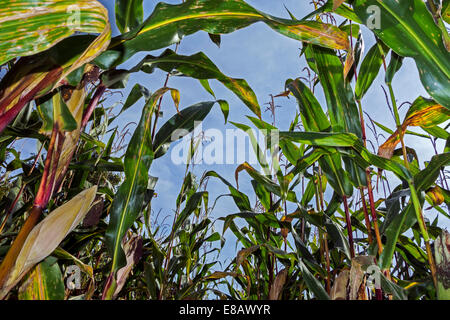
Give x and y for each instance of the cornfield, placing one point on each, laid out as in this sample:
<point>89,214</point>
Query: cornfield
<point>335,206</point>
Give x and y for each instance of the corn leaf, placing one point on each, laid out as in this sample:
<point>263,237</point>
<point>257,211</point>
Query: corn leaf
<point>48,234</point>
<point>28,27</point>
<point>425,113</point>
<point>181,123</point>
<point>409,29</point>
<point>129,198</point>
<point>168,24</point>
<point>44,282</point>
<point>199,66</point>
<point>369,69</point>
<point>129,14</point>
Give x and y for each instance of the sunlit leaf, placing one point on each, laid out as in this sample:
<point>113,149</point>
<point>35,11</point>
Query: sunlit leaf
<point>47,235</point>
<point>409,29</point>
<point>129,14</point>
<point>168,24</point>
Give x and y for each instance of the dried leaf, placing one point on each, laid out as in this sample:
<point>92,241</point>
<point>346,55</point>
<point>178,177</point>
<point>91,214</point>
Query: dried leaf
<point>221,274</point>
<point>278,285</point>
<point>133,253</point>
<point>356,279</point>
<point>48,234</point>
<point>424,113</point>
<point>339,289</point>
<point>244,253</point>
<point>442,256</point>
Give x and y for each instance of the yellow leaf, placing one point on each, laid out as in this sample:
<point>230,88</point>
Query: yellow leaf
<point>48,234</point>
<point>29,27</point>
<point>422,113</point>
<point>349,61</point>
<point>221,274</point>
<point>176,98</point>
<point>436,195</point>
<point>43,282</point>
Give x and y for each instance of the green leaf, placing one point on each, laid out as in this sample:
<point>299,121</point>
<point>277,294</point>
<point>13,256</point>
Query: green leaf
<point>168,24</point>
<point>192,204</point>
<point>343,10</point>
<point>426,113</point>
<point>215,38</point>
<point>225,107</point>
<point>342,108</point>
<point>314,119</point>
<point>369,69</point>
<point>408,28</point>
<point>313,284</point>
<point>395,64</point>
<point>136,93</point>
<point>393,231</point>
<point>265,181</point>
<point>425,178</point>
<point>340,241</point>
<point>129,14</point>
<point>259,151</point>
<point>54,111</point>
<point>311,113</point>
<point>43,282</point>
<point>392,288</point>
<point>199,66</point>
<point>240,199</point>
<point>180,125</point>
<point>348,140</point>
<point>446,11</point>
<point>437,132</point>
<point>28,26</point>
<point>130,196</point>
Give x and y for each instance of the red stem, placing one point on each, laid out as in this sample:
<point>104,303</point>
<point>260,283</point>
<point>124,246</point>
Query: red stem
<point>92,104</point>
<point>349,227</point>
<point>9,115</point>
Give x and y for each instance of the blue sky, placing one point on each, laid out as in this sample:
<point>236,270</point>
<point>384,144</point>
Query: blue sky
<point>265,59</point>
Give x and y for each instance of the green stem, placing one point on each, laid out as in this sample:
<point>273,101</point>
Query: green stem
<point>423,229</point>
<point>399,125</point>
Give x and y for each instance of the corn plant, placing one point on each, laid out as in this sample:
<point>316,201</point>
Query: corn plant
<point>320,226</point>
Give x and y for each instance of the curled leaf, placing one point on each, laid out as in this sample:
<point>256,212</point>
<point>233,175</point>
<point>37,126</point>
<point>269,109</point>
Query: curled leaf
<point>423,113</point>
<point>28,26</point>
<point>244,253</point>
<point>436,195</point>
